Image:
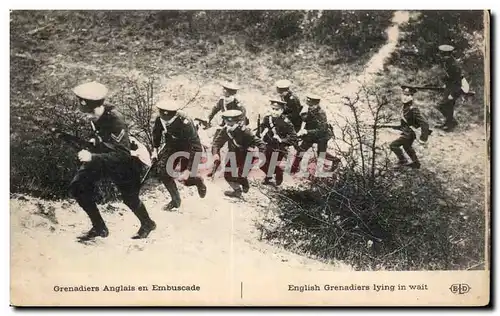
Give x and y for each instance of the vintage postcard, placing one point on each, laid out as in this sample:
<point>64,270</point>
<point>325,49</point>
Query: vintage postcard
<point>250,158</point>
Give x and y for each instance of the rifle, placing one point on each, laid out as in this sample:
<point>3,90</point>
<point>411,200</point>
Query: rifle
<point>203,122</point>
<point>258,126</point>
<point>397,127</point>
<point>434,88</point>
<point>214,169</point>
<point>153,164</point>
<point>73,140</point>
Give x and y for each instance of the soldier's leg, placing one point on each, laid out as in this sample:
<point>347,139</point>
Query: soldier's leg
<point>82,189</point>
<point>450,121</point>
<point>322,148</point>
<point>169,183</point>
<point>194,180</point>
<point>266,165</point>
<point>278,170</point>
<point>407,146</point>
<point>234,183</point>
<point>128,182</point>
<point>447,108</point>
<point>301,150</point>
<point>233,179</point>
<point>242,178</point>
<point>217,131</point>
<point>396,149</point>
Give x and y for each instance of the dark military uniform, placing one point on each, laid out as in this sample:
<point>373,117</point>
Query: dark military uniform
<point>281,134</point>
<point>111,158</point>
<point>453,90</point>
<point>292,109</point>
<point>411,117</point>
<point>318,132</point>
<point>222,106</point>
<point>180,136</point>
<point>239,141</point>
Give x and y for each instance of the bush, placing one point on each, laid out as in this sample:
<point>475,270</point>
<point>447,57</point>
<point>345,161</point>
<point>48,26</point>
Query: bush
<point>403,221</point>
<point>373,216</point>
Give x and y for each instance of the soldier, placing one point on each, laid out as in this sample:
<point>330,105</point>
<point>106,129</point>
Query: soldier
<point>314,130</point>
<point>292,108</point>
<point>455,85</point>
<point>180,135</point>
<point>278,133</point>
<point>239,139</point>
<point>110,158</point>
<point>411,117</point>
<point>227,102</point>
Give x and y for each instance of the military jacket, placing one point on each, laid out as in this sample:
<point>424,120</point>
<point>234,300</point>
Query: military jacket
<point>180,134</point>
<point>452,77</point>
<point>222,106</point>
<point>281,126</point>
<point>292,107</point>
<point>316,124</point>
<point>238,140</point>
<point>113,136</point>
<point>412,117</point>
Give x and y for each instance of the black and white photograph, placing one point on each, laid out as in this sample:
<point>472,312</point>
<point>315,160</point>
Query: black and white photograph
<point>249,157</point>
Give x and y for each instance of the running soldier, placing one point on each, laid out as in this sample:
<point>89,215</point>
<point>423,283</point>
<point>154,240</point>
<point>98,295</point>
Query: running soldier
<point>455,85</point>
<point>411,117</point>
<point>227,102</point>
<point>315,129</point>
<point>292,108</point>
<point>278,133</point>
<point>109,158</point>
<point>239,139</point>
<point>180,135</point>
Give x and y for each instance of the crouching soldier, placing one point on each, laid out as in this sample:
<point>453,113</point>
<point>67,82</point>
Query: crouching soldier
<point>314,130</point>
<point>228,101</point>
<point>411,117</point>
<point>181,139</point>
<point>278,133</point>
<point>110,158</point>
<point>239,139</point>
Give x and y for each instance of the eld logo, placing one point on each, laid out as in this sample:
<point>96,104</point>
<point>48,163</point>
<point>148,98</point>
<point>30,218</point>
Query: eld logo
<point>460,288</point>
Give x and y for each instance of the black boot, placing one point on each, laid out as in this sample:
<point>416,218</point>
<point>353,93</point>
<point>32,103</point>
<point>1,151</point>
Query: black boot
<point>144,231</point>
<point>202,189</point>
<point>99,228</point>
<point>267,181</point>
<point>172,205</point>
<point>235,193</point>
<point>174,194</point>
<point>147,224</point>
<point>245,186</point>
<point>93,233</point>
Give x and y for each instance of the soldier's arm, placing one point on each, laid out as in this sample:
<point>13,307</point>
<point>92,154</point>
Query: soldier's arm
<point>295,104</point>
<point>254,141</point>
<point>291,136</point>
<point>219,142</point>
<point>322,125</point>
<point>422,122</point>
<point>157,133</point>
<point>193,139</point>
<point>242,109</point>
<point>215,110</point>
